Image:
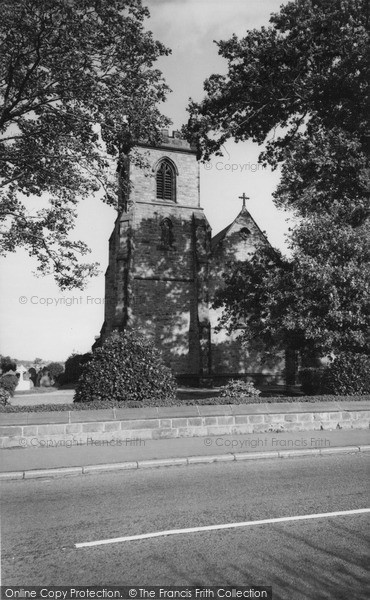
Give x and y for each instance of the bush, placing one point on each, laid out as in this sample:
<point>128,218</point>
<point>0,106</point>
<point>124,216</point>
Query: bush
<point>310,379</point>
<point>127,367</point>
<point>9,382</point>
<point>4,396</point>
<point>73,368</point>
<point>348,373</point>
<point>7,364</point>
<point>33,375</point>
<point>238,387</point>
<point>55,369</point>
<point>253,400</point>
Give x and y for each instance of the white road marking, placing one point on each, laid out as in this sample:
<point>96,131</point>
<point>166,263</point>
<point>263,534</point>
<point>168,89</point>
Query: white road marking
<point>145,536</point>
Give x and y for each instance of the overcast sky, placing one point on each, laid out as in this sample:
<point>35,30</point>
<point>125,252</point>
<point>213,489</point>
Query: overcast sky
<point>36,319</point>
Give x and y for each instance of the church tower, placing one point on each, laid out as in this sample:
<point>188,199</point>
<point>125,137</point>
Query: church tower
<point>159,253</point>
<point>165,269</point>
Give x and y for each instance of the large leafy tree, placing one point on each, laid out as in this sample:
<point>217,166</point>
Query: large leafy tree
<point>77,89</point>
<point>299,87</point>
<point>304,303</point>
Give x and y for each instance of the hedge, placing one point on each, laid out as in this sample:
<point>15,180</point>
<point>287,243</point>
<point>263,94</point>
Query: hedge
<point>97,405</point>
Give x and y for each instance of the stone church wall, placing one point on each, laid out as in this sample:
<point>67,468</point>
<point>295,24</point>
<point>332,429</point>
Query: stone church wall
<point>230,356</point>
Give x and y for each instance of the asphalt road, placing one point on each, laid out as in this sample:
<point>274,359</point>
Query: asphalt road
<point>324,558</point>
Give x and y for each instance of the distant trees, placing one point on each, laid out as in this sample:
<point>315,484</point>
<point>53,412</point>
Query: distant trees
<point>73,368</point>
<point>7,364</point>
<point>55,369</point>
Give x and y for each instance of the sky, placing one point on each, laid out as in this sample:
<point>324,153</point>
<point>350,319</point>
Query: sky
<point>36,318</point>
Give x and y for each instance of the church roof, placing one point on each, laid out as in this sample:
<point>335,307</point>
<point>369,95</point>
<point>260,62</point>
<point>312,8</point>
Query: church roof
<point>220,236</point>
<point>243,215</point>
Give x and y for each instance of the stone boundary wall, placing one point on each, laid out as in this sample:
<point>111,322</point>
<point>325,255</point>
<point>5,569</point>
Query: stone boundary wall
<point>73,429</point>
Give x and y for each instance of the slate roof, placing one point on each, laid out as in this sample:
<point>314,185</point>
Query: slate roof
<point>223,233</point>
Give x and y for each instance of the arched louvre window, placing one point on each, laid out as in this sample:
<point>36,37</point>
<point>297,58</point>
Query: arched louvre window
<point>166,181</point>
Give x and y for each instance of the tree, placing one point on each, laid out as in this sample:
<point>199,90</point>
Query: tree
<point>73,367</point>
<point>300,88</point>
<point>302,303</point>
<point>78,89</point>
<point>55,369</point>
<point>7,364</point>
<point>304,72</point>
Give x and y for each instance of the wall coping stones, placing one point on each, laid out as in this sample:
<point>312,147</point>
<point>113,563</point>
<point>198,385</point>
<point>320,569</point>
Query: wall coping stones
<point>84,416</point>
<point>41,418</point>
<point>127,414</point>
<point>178,411</point>
<point>217,410</point>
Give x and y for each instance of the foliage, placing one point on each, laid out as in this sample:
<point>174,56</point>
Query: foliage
<point>238,388</point>
<point>4,396</point>
<point>9,382</point>
<point>257,296</point>
<point>223,401</point>
<point>55,369</point>
<point>310,379</point>
<point>7,364</point>
<point>73,368</point>
<point>304,302</point>
<point>305,72</point>
<point>33,375</point>
<point>348,373</point>
<point>77,90</point>
<point>126,367</point>
<point>300,87</point>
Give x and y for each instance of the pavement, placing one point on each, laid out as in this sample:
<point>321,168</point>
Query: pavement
<point>113,455</point>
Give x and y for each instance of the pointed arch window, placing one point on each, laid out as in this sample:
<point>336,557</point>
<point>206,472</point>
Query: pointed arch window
<point>166,181</point>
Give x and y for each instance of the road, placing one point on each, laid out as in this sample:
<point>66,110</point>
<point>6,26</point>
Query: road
<point>325,558</point>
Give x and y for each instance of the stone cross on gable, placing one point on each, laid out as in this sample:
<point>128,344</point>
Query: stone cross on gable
<point>244,198</point>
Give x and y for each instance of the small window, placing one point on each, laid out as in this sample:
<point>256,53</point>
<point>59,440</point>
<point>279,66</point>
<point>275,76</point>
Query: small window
<point>166,181</point>
<point>244,233</point>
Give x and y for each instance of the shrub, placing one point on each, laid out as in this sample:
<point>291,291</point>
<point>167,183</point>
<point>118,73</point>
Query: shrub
<point>310,379</point>
<point>238,387</point>
<point>73,368</point>
<point>55,369</point>
<point>33,375</point>
<point>9,382</point>
<point>127,367</point>
<point>7,364</point>
<point>4,396</point>
<point>348,373</point>
<point>104,404</point>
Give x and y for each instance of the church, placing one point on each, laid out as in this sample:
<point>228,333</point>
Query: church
<point>165,268</point>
